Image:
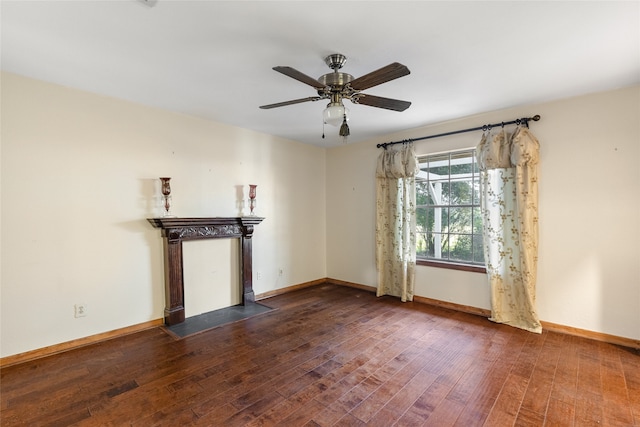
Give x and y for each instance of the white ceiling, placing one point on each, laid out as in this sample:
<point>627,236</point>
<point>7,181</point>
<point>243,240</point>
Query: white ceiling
<point>213,59</point>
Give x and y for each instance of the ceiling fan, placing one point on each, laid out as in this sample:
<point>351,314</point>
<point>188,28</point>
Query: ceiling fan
<point>337,86</point>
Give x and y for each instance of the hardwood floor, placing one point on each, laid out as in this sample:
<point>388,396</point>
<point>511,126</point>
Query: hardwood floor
<point>332,355</point>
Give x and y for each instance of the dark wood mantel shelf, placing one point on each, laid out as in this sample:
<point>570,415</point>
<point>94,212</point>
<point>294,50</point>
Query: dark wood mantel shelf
<point>176,230</point>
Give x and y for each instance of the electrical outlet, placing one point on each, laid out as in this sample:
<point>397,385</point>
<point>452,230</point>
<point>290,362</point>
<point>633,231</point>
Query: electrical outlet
<point>258,275</point>
<point>80,310</point>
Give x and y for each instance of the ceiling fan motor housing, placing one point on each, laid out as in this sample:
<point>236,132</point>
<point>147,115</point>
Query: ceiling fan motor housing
<point>335,79</point>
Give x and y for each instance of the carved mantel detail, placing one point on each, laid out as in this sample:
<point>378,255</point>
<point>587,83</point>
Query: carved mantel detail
<point>176,230</point>
<point>206,232</point>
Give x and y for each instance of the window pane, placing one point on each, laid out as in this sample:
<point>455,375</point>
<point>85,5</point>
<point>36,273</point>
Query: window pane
<point>422,193</point>
<point>460,247</point>
<point>438,219</point>
<point>446,193</point>
<point>421,220</point>
<point>438,165</point>
<point>430,247</point>
<point>438,245</point>
<point>460,220</point>
<point>476,190</point>
<point>478,248</point>
<point>461,192</point>
<point>477,221</point>
<point>440,192</point>
<point>445,246</point>
<point>435,193</point>
<point>461,163</point>
<point>421,244</point>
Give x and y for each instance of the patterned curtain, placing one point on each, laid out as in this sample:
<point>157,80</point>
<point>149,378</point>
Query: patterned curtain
<point>396,221</point>
<point>509,183</point>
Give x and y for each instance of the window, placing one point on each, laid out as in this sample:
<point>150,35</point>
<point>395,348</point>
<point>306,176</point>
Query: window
<point>449,222</point>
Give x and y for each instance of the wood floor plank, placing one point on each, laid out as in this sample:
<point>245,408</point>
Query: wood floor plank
<point>330,415</point>
<point>589,401</point>
<point>560,413</point>
<point>332,356</point>
<point>273,415</point>
<point>617,409</point>
<point>407,395</point>
<point>426,404</point>
<point>445,414</point>
<point>304,414</point>
<point>507,404</point>
<point>631,368</point>
<point>536,399</point>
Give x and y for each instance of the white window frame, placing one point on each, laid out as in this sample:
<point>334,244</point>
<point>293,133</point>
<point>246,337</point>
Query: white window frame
<point>435,190</point>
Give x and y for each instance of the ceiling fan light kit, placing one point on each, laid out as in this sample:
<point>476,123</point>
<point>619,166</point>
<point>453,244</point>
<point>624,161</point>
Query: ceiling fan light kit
<point>334,114</point>
<point>337,86</point>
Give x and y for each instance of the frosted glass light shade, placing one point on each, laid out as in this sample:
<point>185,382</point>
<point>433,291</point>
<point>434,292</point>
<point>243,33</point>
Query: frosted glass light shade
<point>334,114</point>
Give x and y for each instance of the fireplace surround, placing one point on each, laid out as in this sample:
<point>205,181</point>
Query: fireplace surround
<point>177,230</point>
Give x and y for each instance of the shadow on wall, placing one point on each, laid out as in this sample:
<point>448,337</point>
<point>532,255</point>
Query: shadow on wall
<point>151,199</point>
<point>151,204</point>
<point>155,260</point>
<point>240,203</point>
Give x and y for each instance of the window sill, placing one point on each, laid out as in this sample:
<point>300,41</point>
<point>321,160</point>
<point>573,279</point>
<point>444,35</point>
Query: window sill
<point>452,266</point>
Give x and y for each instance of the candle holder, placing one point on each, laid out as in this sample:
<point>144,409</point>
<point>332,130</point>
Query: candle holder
<point>252,198</point>
<point>166,192</point>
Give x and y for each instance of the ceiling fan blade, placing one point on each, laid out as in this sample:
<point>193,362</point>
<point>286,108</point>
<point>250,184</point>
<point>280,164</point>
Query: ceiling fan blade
<point>301,77</point>
<point>293,101</point>
<point>380,102</point>
<point>383,75</point>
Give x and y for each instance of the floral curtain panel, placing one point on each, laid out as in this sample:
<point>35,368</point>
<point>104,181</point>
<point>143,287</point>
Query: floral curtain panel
<point>509,182</point>
<point>396,221</point>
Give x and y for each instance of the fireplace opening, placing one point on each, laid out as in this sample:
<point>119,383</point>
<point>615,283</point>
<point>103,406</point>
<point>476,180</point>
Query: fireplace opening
<point>211,275</point>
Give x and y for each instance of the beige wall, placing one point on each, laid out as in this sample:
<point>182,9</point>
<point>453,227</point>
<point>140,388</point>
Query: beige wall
<point>80,177</point>
<point>589,266</point>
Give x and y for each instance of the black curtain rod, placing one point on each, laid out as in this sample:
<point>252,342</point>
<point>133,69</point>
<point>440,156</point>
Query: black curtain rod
<point>522,121</point>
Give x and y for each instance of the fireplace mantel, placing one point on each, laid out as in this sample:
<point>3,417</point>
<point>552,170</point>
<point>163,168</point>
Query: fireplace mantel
<point>177,230</point>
